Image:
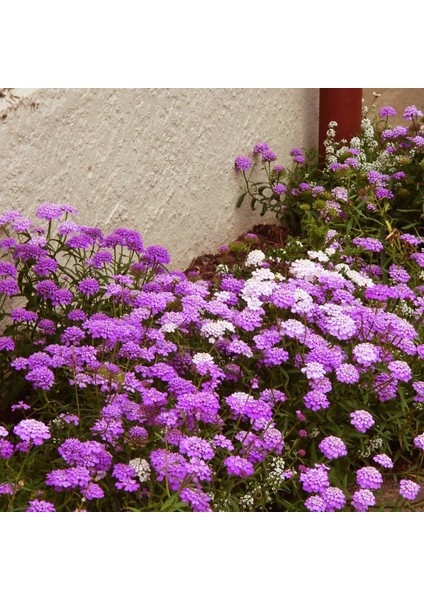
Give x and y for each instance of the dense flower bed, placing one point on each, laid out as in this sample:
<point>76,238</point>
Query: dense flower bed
<point>292,382</point>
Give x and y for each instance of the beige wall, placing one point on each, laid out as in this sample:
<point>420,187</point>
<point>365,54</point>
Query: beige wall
<point>158,160</point>
<point>399,98</point>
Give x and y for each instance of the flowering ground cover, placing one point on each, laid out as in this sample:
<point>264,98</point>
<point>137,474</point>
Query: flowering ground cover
<point>288,379</point>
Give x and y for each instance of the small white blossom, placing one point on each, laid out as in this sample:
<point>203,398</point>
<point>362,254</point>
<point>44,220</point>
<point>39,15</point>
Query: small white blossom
<point>214,330</point>
<point>141,468</point>
<point>318,255</point>
<point>360,280</point>
<point>168,327</point>
<point>255,258</point>
<point>202,357</point>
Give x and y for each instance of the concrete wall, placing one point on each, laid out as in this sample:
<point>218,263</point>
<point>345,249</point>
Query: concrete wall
<point>157,160</point>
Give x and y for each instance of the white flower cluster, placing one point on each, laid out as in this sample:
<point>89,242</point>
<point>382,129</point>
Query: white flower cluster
<point>331,234</point>
<point>372,445</point>
<point>141,468</point>
<point>360,280</point>
<point>260,284</point>
<point>247,501</point>
<point>306,269</point>
<point>368,132</point>
<point>57,422</point>
<point>168,328</point>
<point>319,255</point>
<point>214,330</point>
<point>314,432</point>
<point>222,296</point>
<point>313,370</point>
<point>304,302</point>
<point>330,150</point>
<point>275,475</point>
<point>222,269</point>
<point>404,309</point>
<point>255,258</point>
<point>202,357</point>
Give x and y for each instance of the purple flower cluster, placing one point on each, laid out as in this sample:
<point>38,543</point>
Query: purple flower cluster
<point>332,447</point>
<point>368,244</point>
<point>40,506</point>
<point>362,500</point>
<point>362,420</point>
<point>243,163</point>
<point>408,489</point>
<point>383,460</point>
<point>315,480</point>
<point>124,474</point>
<point>330,500</point>
<point>31,430</point>
<point>419,441</point>
<point>241,467</point>
<point>369,478</point>
<point>68,479</point>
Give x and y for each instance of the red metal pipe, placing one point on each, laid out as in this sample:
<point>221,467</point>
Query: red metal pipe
<point>343,105</point>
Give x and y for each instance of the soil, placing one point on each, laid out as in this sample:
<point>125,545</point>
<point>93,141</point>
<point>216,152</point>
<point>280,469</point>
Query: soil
<point>267,236</point>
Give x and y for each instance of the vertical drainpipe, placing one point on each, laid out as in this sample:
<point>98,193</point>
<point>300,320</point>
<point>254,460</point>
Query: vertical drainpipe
<point>343,105</point>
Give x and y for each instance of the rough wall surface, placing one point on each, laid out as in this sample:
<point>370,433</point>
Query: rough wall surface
<point>157,160</point>
<point>399,98</point>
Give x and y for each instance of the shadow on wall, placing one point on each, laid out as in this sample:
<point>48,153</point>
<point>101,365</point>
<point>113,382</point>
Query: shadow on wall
<point>310,111</point>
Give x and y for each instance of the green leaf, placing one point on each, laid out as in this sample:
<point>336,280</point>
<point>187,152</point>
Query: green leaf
<point>264,209</point>
<point>240,199</point>
<point>170,505</point>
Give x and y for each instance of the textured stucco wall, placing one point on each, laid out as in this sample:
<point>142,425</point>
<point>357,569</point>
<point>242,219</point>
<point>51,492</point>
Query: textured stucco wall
<point>399,98</point>
<point>158,160</point>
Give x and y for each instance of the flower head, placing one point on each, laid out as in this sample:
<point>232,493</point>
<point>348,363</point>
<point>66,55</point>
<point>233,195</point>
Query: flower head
<point>334,499</point>
<point>411,111</point>
<point>315,480</point>
<point>236,465</point>
<point>243,163</point>
<point>315,504</point>
<point>362,500</point>
<point>408,489</point>
<point>31,430</point>
<point>332,447</point>
<point>369,478</point>
<point>419,442</point>
<point>383,460</point>
<point>40,506</point>
<point>387,111</point>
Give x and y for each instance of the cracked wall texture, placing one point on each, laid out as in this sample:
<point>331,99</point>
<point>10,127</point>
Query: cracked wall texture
<point>157,160</point>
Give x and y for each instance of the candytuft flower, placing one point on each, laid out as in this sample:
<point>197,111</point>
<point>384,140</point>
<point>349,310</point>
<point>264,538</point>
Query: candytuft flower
<point>31,430</point>
<point>408,489</point>
<point>332,447</point>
